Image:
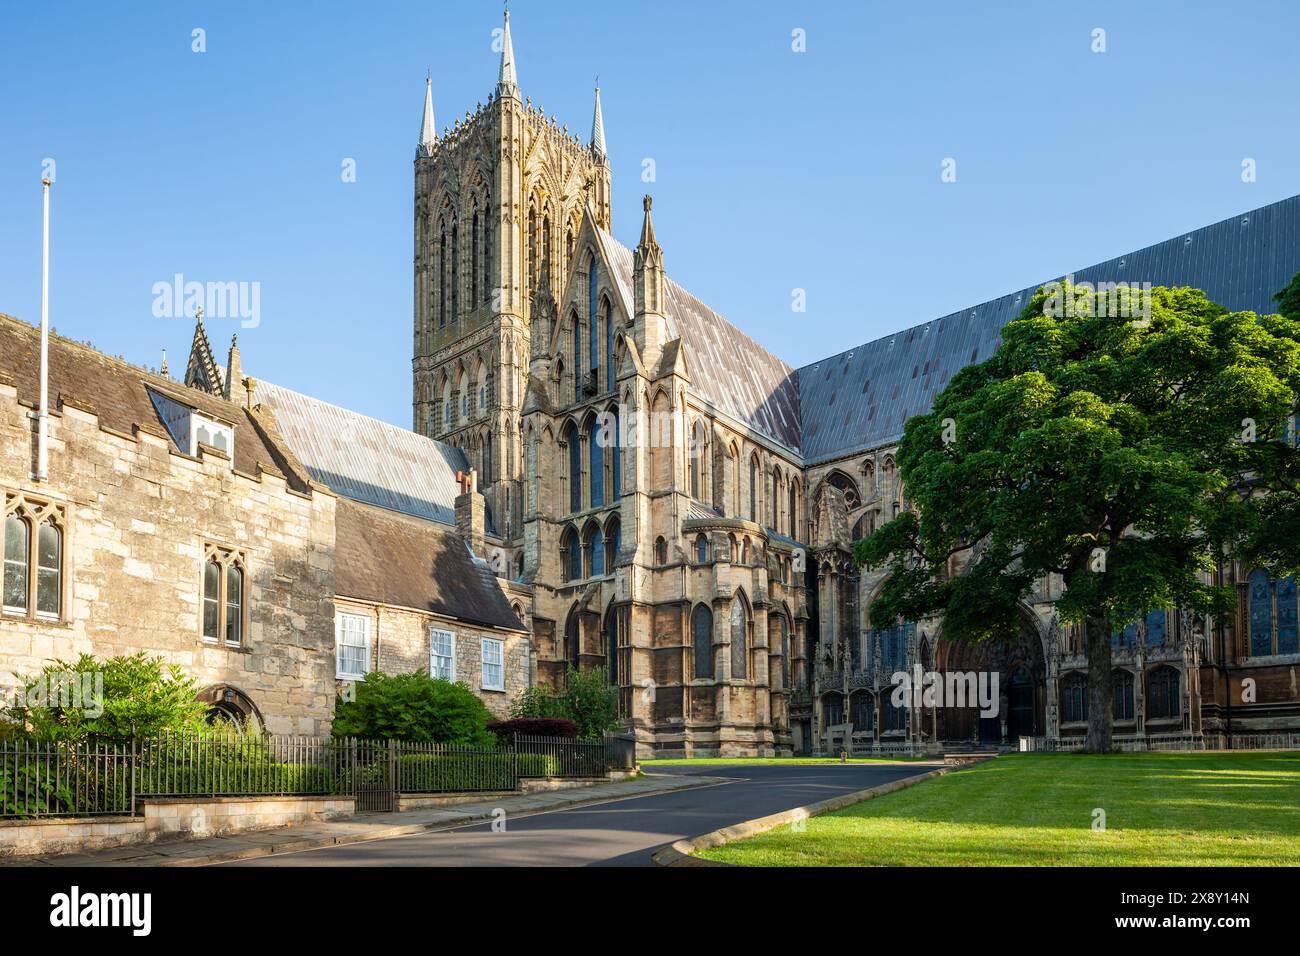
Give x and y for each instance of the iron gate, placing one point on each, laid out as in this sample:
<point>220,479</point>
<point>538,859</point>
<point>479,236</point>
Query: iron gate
<point>373,772</point>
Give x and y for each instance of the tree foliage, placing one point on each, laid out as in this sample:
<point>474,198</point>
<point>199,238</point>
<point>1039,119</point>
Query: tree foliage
<point>1108,450</point>
<point>588,700</point>
<point>115,699</point>
<point>414,707</point>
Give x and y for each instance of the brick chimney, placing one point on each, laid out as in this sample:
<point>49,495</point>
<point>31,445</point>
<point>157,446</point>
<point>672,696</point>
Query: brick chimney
<point>471,512</point>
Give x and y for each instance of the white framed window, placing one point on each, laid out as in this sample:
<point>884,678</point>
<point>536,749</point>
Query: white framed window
<point>442,653</point>
<point>494,668</point>
<point>351,646</point>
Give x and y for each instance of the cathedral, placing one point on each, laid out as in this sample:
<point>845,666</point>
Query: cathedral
<point>680,505</point>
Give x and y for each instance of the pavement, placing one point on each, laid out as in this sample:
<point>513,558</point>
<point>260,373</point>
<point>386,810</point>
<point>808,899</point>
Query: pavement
<point>611,824</point>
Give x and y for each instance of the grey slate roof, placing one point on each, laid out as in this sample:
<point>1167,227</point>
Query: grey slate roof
<point>727,367</point>
<point>365,459</point>
<point>860,398</point>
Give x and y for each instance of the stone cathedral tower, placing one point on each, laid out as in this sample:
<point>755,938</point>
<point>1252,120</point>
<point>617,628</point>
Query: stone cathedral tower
<point>499,197</point>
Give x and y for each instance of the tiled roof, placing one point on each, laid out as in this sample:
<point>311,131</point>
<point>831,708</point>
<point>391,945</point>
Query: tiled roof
<point>728,368</point>
<point>860,398</point>
<point>116,391</point>
<point>395,559</point>
<point>366,459</point>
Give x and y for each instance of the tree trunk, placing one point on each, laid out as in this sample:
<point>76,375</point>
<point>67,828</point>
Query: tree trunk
<point>1100,693</point>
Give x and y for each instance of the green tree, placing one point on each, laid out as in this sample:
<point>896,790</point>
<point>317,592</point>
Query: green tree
<point>588,699</point>
<point>414,707</point>
<point>115,699</point>
<point>1104,449</point>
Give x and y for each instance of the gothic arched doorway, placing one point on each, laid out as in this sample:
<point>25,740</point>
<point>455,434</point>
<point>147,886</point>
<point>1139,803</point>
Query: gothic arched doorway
<point>1018,699</point>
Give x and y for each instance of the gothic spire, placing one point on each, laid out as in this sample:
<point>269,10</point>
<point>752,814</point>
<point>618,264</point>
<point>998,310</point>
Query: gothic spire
<point>428,132</point>
<point>598,129</point>
<point>648,241</point>
<point>507,82</point>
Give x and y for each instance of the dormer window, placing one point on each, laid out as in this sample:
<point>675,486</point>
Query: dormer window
<point>205,431</point>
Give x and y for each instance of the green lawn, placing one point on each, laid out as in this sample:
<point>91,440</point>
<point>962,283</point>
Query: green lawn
<point>1174,809</point>
<point>759,761</point>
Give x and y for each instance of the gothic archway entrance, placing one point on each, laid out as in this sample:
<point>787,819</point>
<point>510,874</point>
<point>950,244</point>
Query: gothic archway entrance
<point>1020,698</point>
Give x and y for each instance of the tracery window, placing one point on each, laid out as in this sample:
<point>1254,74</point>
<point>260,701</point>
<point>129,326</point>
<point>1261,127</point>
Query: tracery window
<point>1122,682</point>
<point>1074,699</point>
<point>1272,615</point>
<point>1162,693</point>
<point>34,556</point>
<point>739,638</point>
<point>225,608</point>
<point>702,640</point>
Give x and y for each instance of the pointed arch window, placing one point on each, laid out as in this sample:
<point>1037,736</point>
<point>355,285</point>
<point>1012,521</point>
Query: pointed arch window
<point>594,550</point>
<point>1074,699</point>
<point>695,461</point>
<point>1122,685</point>
<point>455,271</point>
<point>739,638</point>
<point>753,489</point>
<point>532,249</point>
<point>593,331</point>
<point>1272,615</point>
<point>1162,693</point>
<point>661,552</point>
<point>486,296</point>
<point>34,556</point>
<point>577,359</point>
<point>224,590</point>
<point>607,316</point>
<point>475,257</point>
<point>596,451</point>
<point>702,641</point>
<point>616,457</point>
<point>575,467</point>
<point>613,542</point>
<point>571,555</point>
<point>701,549</point>
<point>442,270</point>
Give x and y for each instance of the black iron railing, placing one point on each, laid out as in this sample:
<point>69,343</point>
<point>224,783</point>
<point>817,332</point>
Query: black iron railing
<point>56,778</point>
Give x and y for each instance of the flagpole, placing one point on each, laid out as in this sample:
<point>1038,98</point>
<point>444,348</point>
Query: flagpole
<point>43,415</point>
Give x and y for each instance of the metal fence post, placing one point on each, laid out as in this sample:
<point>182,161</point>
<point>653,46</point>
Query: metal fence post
<point>133,763</point>
<point>393,786</point>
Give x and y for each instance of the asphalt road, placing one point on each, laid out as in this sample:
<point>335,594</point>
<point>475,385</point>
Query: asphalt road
<point>616,833</point>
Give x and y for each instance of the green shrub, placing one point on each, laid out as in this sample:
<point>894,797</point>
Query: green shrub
<point>414,707</point>
<point>588,699</point>
<point>141,696</point>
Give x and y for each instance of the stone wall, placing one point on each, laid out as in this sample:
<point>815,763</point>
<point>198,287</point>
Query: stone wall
<point>400,645</point>
<point>138,516</point>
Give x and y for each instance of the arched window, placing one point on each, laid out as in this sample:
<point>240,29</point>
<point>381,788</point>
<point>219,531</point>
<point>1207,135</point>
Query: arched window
<point>893,646</point>
<point>862,710</point>
<point>833,709</point>
<point>577,359</point>
<point>575,467</point>
<point>701,549</point>
<point>1074,698</point>
<point>744,551</point>
<point>1157,627</point>
<point>211,599</point>
<point>613,541</point>
<point>571,555</point>
<point>794,509</point>
<point>1162,693</point>
<point>532,248</point>
<point>607,316</point>
<point>615,456</point>
<point>1122,682</point>
<point>475,257</point>
<point>485,295</point>
<point>739,638</point>
<point>18,546</point>
<point>445,276</point>
<point>595,550</point>
<point>753,489</point>
<point>782,675</point>
<point>702,639</point>
<point>455,271</point>
<point>49,564</point>
<point>732,480</point>
<point>593,331</point>
<point>845,484</point>
<point>895,717</point>
<point>234,603</point>
<point>661,552</point>
<point>695,461</point>
<point>573,638</point>
<point>1273,615</point>
<point>596,453</point>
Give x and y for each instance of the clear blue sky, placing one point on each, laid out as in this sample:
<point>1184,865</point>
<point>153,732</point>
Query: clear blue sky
<point>776,170</point>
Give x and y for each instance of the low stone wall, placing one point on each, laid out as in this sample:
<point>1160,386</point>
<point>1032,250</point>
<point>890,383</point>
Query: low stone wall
<point>164,819</point>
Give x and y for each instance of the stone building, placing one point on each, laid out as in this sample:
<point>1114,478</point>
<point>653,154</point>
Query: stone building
<point>179,520</point>
<point>682,505</point>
